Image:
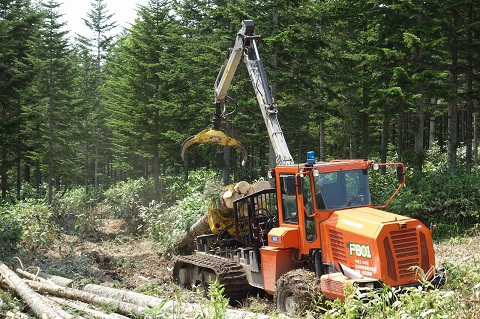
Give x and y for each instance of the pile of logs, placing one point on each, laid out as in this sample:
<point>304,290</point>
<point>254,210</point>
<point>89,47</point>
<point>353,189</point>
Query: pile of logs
<point>225,208</point>
<point>47,296</point>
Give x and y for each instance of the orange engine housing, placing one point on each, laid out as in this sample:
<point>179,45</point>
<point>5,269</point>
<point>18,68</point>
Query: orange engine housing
<point>379,244</point>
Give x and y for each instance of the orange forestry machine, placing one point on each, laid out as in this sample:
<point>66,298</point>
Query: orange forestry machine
<point>316,226</point>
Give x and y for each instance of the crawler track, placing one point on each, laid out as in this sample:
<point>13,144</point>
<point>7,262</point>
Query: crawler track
<point>227,272</point>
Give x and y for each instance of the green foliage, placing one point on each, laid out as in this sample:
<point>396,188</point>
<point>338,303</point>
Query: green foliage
<point>414,302</point>
<point>126,200</point>
<point>27,224</point>
<point>8,302</point>
<point>10,232</point>
<point>144,208</point>
<point>77,211</point>
<point>216,308</point>
<point>166,224</point>
<point>157,312</point>
<point>449,198</point>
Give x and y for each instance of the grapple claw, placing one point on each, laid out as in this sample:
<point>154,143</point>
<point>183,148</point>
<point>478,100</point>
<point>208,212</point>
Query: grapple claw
<point>211,136</point>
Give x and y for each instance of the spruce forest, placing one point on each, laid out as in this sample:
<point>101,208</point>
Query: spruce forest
<point>92,126</point>
<point>365,79</point>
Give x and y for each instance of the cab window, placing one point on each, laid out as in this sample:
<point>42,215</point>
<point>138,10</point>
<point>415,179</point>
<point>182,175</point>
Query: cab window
<point>342,189</point>
<point>309,212</point>
<point>289,199</point>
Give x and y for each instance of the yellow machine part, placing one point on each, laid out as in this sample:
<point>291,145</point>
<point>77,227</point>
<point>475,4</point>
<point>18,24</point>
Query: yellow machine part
<point>211,136</point>
<point>218,222</point>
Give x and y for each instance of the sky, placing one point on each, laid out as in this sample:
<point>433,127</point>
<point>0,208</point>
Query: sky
<point>74,10</point>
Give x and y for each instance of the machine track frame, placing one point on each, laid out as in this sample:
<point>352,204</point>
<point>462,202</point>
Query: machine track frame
<point>202,269</point>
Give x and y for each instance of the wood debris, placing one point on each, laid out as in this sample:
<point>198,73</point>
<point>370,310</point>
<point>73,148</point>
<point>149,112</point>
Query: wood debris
<point>47,298</point>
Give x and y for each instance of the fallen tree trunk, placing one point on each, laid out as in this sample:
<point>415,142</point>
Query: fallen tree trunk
<point>124,295</point>
<point>76,294</point>
<point>86,308</point>
<point>225,203</point>
<point>169,306</point>
<point>39,307</point>
<point>59,309</point>
<point>197,229</point>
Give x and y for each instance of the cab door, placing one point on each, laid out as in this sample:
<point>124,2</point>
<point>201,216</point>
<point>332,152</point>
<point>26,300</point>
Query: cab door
<point>308,223</point>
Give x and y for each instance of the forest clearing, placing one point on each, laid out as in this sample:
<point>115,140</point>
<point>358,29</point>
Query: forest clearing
<point>112,257</point>
<point>374,171</point>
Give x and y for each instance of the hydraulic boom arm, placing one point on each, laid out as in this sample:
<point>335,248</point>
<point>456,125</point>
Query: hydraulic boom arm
<point>246,48</point>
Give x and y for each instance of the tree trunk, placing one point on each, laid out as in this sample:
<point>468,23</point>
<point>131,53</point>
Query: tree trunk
<point>321,140</point>
<point>124,295</point>
<point>469,96</point>
<point>58,308</point>
<point>17,315</point>
<point>475,137</point>
<point>4,178</point>
<point>85,308</point>
<point>75,294</point>
<point>419,132</point>
<point>61,281</point>
<point>431,134</point>
<point>453,107</point>
<point>32,299</point>
<point>199,228</point>
<point>364,118</point>
<point>384,140</point>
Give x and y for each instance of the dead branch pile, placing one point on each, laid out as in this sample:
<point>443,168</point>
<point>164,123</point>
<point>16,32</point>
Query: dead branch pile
<point>48,298</point>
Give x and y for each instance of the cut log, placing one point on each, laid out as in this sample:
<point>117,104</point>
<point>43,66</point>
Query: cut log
<point>242,187</point>
<point>59,309</point>
<point>197,229</point>
<point>169,306</point>
<point>124,295</point>
<point>62,281</point>
<point>261,185</point>
<point>86,308</point>
<point>228,193</point>
<point>76,294</point>
<point>39,307</point>
<point>44,277</point>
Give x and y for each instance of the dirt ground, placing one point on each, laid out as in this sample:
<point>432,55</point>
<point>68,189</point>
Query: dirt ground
<point>112,257</point>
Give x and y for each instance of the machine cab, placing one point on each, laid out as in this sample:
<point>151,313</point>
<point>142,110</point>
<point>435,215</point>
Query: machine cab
<point>309,194</point>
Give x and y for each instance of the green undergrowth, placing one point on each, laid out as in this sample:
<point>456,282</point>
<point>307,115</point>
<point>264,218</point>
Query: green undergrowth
<point>458,298</point>
<point>451,201</point>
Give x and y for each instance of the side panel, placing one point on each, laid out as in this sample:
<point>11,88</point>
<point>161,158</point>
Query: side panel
<point>275,262</point>
<point>283,237</point>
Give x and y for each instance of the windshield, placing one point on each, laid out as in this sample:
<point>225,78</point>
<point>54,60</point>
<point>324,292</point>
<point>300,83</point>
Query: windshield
<point>342,189</point>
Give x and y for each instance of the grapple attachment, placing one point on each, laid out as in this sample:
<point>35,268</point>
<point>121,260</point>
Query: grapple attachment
<point>212,136</point>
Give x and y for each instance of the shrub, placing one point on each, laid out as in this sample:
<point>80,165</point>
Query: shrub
<point>411,303</point>
<point>153,210</point>
<point>29,224</point>
<point>76,210</point>
<point>10,232</point>
<point>166,223</point>
<point>126,198</point>
<point>445,198</point>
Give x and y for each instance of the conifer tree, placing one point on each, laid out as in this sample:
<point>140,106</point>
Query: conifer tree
<point>99,21</point>
<point>51,118</point>
<point>146,81</point>
<point>18,21</point>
